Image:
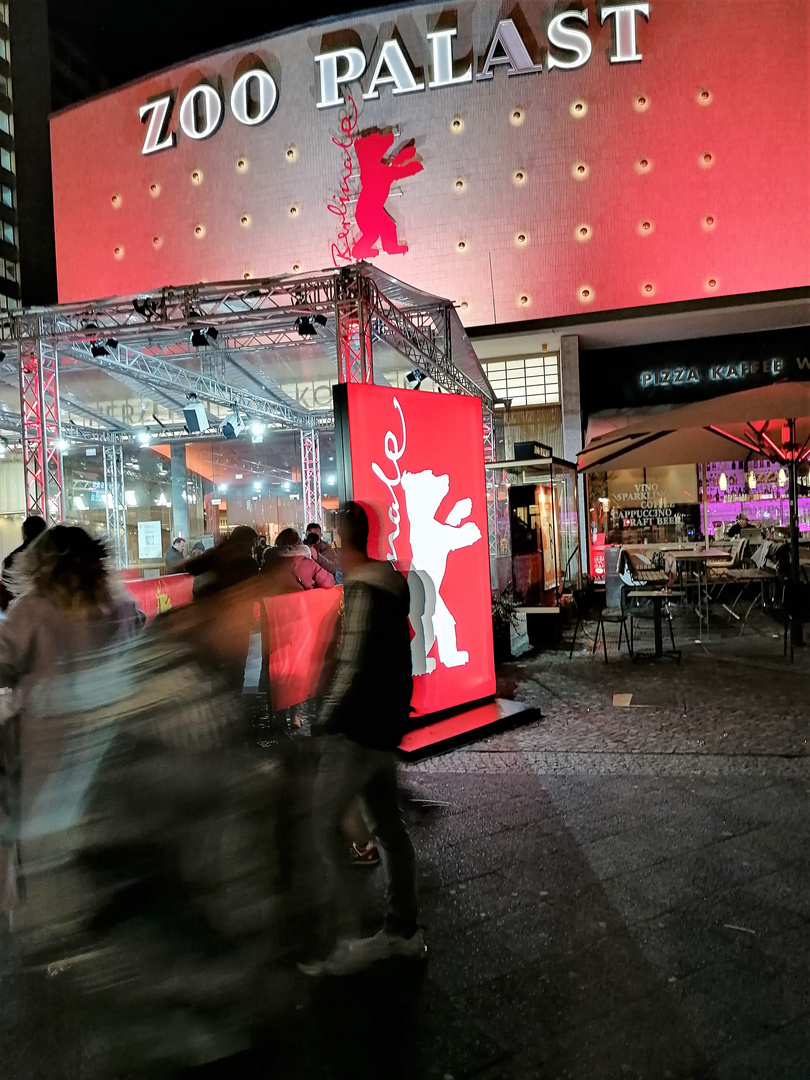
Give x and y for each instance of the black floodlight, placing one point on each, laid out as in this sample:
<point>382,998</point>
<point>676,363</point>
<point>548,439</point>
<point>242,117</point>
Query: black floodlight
<point>305,326</point>
<point>201,337</point>
<point>146,307</point>
<point>112,343</point>
<point>2,356</point>
<point>320,319</point>
<point>97,349</point>
<point>415,378</point>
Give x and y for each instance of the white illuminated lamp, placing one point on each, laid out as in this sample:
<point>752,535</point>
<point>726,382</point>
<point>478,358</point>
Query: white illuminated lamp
<point>722,482</point>
<point>752,481</point>
<point>143,438</point>
<point>131,499</point>
<point>782,476</point>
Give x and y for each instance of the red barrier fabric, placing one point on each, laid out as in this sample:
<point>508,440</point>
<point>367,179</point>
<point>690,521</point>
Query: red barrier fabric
<point>157,595</point>
<point>301,627</point>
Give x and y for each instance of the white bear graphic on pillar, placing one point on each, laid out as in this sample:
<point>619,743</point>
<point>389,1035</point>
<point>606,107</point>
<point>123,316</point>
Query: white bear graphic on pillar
<point>431,543</point>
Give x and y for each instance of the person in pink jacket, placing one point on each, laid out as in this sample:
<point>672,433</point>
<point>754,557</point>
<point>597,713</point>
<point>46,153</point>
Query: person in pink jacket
<point>310,574</point>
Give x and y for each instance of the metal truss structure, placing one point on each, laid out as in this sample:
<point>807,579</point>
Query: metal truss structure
<point>41,433</point>
<point>492,486</point>
<point>115,503</point>
<point>311,475</point>
<point>146,342</point>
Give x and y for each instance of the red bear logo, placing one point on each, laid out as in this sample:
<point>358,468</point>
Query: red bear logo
<point>376,177</point>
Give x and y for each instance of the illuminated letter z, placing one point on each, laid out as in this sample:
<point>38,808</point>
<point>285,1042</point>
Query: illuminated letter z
<point>156,137</point>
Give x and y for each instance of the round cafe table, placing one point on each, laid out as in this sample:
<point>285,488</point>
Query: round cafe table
<point>657,597</point>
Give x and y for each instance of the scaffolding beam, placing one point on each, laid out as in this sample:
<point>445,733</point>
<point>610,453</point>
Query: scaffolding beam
<point>41,431</point>
<point>353,330</point>
<point>311,475</point>
<point>115,504</point>
<point>492,486</point>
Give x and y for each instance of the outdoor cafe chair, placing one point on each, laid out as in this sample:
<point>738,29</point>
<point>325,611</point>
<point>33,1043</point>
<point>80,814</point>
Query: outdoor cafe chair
<point>637,571</point>
<point>762,572</point>
<point>616,617</point>
<point>737,555</point>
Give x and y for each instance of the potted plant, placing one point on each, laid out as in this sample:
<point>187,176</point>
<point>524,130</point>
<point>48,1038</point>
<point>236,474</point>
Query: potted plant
<point>504,618</point>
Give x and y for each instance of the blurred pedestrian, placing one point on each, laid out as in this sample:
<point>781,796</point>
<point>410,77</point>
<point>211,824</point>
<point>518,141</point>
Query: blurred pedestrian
<point>310,573</point>
<point>32,527</point>
<point>226,564</point>
<point>176,555</point>
<point>364,715</point>
<point>323,553</point>
<point>230,568</point>
<point>163,902</point>
<point>68,606</point>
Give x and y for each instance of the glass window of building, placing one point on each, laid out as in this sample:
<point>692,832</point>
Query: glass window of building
<point>11,270</point>
<point>6,159</point>
<point>534,380</point>
<point>4,50</point>
<point>7,196</point>
<point>8,232</point>
<point>5,122</point>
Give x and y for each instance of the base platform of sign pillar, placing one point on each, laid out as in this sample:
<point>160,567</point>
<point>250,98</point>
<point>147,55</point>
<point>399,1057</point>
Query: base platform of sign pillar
<point>477,722</point>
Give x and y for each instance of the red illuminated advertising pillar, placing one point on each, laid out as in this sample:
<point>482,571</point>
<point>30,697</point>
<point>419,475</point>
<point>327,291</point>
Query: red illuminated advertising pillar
<point>415,461</point>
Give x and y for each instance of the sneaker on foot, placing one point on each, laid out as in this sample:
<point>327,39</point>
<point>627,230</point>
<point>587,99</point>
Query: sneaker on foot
<point>365,855</point>
<point>414,946</point>
<point>351,957</point>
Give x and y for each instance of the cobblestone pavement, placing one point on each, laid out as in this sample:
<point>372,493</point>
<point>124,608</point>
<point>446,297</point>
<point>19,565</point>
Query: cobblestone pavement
<point>624,891</point>
<point>608,892</point>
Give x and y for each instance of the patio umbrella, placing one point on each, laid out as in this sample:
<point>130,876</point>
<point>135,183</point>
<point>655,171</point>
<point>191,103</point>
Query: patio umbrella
<point>706,430</point>
<point>771,421</point>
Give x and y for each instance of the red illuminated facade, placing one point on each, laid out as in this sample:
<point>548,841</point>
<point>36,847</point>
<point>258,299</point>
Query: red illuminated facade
<point>558,165</point>
<point>583,181</point>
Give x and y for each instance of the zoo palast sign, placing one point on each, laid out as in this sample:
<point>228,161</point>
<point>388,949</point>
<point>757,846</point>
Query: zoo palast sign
<point>255,94</point>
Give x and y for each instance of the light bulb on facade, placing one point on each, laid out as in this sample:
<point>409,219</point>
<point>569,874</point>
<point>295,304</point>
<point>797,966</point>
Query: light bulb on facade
<point>752,481</point>
<point>722,483</point>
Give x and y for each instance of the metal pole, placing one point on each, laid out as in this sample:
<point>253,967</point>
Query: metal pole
<point>796,629</point>
<point>705,504</point>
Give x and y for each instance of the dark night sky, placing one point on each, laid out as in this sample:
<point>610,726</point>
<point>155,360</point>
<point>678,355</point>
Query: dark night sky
<point>130,38</point>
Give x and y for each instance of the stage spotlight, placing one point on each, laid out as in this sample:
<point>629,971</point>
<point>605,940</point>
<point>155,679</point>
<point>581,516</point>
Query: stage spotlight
<point>232,426</point>
<point>146,307</point>
<point>2,356</point>
<point>196,417</point>
<point>415,378</point>
<point>320,319</point>
<point>305,326</point>
<point>111,343</point>
<point>200,337</point>
<point>97,349</point>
